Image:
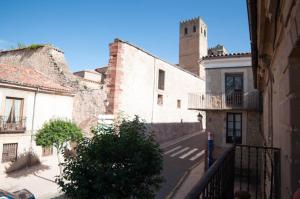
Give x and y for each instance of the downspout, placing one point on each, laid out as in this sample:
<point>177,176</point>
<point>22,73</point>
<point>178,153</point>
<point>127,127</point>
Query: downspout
<point>33,116</point>
<point>154,71</point>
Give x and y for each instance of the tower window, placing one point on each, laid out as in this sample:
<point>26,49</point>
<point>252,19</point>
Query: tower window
<point>194,29</point>
<point>201,30</point>
<point>204,33</point>
<point>185,31</point>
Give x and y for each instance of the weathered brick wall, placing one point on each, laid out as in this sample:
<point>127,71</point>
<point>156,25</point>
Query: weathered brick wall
<point>88,102</point>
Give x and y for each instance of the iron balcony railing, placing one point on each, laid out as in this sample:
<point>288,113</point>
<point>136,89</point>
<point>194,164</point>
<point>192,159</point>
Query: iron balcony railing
<point>254,170</point>
<point>12,125</point>
<point>219,101</point>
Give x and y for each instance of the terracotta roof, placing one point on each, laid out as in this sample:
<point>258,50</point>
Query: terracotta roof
<point>229,55</point>
<point>101,69</point>
<point>26,76</point>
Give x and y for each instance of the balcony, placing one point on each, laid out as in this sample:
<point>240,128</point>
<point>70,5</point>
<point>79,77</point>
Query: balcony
<point>15,125</point>
<point>241,170</point>
<point>224,101</point>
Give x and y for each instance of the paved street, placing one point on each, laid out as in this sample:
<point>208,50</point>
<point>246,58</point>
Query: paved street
<point>178,159</point>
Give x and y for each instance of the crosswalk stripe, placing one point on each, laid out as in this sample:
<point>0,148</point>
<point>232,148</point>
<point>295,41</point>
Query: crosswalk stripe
<point>181,151</point>
<point>197,155</point>
<point>171,150</point>
<point>188,153</point>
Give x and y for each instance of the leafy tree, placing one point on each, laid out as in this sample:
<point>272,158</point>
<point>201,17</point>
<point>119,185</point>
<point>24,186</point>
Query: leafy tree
<point>58,133</point>
<point>120,161</point>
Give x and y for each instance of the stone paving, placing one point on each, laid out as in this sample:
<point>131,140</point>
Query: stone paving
<point>38,179</point>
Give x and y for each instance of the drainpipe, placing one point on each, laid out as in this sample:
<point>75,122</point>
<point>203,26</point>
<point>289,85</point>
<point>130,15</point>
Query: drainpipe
<point>33,116</point>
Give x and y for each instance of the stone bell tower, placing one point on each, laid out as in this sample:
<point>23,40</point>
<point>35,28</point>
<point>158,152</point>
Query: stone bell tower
<point>192,44</point>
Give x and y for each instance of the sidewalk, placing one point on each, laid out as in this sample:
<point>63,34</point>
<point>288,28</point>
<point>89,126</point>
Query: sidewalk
<point>38,179</point>
<point>187,182</point>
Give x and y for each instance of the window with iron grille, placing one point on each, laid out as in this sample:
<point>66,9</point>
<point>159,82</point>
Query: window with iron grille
<point>234,89</point>
<point>9,152</point>
<point>161,79</point>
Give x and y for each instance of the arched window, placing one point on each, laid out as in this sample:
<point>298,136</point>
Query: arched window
<point>194,29</point>
<point>204,33</point>
<point>185,31</point>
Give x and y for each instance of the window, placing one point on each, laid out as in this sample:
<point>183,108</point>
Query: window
<point>9,152</point>
<point>13,110</point>
<point>194,29</point>
<point>204,33</point>
<point>185,31</point>
<point>234,128</point>
<point>160,99</point>
<point>201,30</point>
<point>161,80</point>
<point>47,151</point>
<point>178,103</point>
<point>234,89</point>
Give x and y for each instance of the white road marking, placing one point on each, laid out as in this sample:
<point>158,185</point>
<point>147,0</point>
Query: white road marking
<point>197,155</point>
<point>188,153</point>
<point>171,150</point>
<point>181,151</point>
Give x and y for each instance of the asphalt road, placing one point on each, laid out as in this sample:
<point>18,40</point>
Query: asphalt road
<point>178,158</point>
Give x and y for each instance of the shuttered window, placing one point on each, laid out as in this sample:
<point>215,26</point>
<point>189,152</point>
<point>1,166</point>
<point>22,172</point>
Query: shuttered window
<point>9,152</point>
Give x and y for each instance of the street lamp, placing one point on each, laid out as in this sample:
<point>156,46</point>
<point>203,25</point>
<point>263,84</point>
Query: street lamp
<point>199,117</point>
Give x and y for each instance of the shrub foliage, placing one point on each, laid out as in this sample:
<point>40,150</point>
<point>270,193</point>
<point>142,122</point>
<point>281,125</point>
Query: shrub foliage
<point>120,161</point>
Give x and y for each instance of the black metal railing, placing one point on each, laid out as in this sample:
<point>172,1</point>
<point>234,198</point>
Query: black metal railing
<point>254,170</point>
<point>11,125</point>
<point>218,181</point>
<point>257,171</point>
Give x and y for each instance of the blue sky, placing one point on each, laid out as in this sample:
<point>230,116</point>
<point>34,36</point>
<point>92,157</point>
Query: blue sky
<point>84,28</point>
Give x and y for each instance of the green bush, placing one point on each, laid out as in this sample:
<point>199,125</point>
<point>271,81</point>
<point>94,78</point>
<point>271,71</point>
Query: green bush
<point>58,133</point>
<point>120,161</point>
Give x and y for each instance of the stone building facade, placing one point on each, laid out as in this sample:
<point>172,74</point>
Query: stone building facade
<point>142,84</point>
<point>89,91</point>
<point>275,45</point>
<point>27,100</point>
<point>230,101</point>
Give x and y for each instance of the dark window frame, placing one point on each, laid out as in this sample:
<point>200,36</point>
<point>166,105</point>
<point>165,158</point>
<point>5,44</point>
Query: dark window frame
<point>194,28</point>
<point>161,79</point>
<point>186,31</point>
<point>230,139</point>
<point>160,99</point>
<point>235,98</point>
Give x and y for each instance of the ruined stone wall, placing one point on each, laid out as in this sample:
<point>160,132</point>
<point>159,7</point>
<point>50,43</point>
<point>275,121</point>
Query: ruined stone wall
<point>88,102</point>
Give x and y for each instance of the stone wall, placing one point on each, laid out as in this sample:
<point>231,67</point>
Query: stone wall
<point>88,102</point>
<point>168,131</point>
<point>251,133</point>
<point>278,71</point>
